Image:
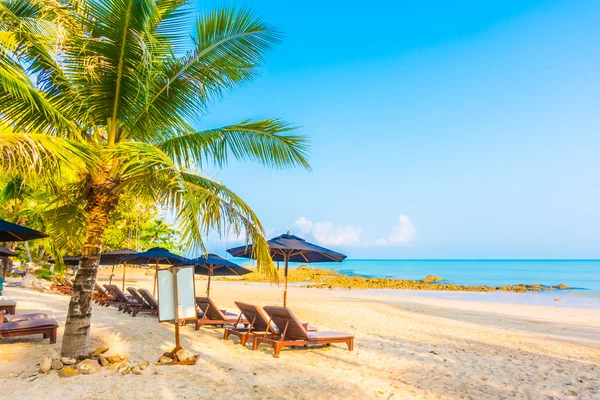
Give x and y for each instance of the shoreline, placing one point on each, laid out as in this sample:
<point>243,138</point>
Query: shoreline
<point>305,276</point>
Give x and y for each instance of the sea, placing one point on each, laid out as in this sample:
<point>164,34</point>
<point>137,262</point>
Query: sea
<point>582,275</point>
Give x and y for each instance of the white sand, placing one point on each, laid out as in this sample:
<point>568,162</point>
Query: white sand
<point>407,347</point>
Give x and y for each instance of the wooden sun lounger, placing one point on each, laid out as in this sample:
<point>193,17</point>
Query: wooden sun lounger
<point>149,298</point>
<point>121,301</point>
<point>101,296</point>
<point>292,333</point>
<point>44,326</point>
<point>210,314</point>
<point>142,305</point>
<point>259,324</point>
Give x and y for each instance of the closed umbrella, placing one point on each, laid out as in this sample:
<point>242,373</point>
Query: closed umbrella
<point>10,232</point>
<point>156,255</point>
<point>288,248</point>
<point>115,258</point>
<point>213,265</point>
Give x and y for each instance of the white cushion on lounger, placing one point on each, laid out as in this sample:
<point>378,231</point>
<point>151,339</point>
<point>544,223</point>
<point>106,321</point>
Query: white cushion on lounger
<point>7,302</point>
<point>328,335</point>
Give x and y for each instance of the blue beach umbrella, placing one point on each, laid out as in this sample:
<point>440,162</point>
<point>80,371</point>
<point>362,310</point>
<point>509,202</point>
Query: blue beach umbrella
<point>156,255</point>
<point>213,265</point>
<point>10,232</point>
<point>288,248</point>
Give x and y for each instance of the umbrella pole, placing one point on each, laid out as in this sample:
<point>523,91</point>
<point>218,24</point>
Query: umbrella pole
<point>208,286</point>
<point>124,269</point>
<point>155,278</point>
<point>286,256</point>
<point>111,275</point>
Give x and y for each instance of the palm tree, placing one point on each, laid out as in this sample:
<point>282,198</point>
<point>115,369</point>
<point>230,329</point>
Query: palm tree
<point>101,98</point>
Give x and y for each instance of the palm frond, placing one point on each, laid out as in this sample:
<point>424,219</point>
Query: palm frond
<point>268,142</point>
<point>43,156</point>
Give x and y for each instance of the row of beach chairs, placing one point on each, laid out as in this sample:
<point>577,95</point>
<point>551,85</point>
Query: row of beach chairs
<point>138,301</point>
<point>275,326</point>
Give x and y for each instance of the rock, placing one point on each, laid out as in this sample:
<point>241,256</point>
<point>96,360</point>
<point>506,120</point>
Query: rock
<point>137,371</point>
<point>45,364</point>
<point>165,360</point>
<point>183,355</point>
<point>56,364</point>
<point>68,361</point>
<point>114,359</point>
<point>557,299</point>
<point>432,279</point>
<point>563,286</point>
<point>125,370</point>
<point>103,360</point>
<point>88,366</point>
<point>67,372</point>
<point>98,351</point>
<point>143,365</point>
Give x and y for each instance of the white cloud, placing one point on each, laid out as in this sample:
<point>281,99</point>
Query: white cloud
<point>304,225</point>
<point>327,233</point>
<point>401,234</point>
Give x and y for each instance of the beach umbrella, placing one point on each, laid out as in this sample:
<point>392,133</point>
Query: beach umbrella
<point>4,252</point>
<point>288,248</point>
<point>115,258</point>
<point>68,260</point>
<point>156,255</point>
<point>10,232</point>
<point>213,265</point>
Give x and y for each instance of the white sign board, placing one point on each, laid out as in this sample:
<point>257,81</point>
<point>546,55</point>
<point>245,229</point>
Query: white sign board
<point>176,294</point>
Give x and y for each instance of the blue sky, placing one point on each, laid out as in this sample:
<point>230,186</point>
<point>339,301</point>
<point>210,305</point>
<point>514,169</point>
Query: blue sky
<point>463,130</point>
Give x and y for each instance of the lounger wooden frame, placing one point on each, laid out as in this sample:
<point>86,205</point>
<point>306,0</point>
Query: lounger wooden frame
<point>142,305</point>
<point>208,308</point>
<point>294,333</point>
<point>49,332</point>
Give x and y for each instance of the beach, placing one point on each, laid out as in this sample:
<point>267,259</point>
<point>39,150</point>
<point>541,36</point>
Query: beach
<point>407,346</point>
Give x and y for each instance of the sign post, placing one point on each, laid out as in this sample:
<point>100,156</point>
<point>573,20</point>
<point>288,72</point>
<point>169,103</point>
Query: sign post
<point>176,301</point>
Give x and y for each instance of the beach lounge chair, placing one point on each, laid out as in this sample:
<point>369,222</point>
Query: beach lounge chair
<point>121,301</point>
<point>292,333</point>
<point>64,286</point>
<point>142,305</point>
<point>101,296</point>
<point>259,324</point>
<point>210,314</point>
<point>8,305</point>
<point>4,317</point>
<point>44,326</point>
<point>149,298</point>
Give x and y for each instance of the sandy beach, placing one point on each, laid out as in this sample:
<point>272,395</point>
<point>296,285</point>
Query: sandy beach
<point>407,347</point>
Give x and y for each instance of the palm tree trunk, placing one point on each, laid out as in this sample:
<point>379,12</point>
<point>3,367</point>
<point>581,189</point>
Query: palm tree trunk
<point>101,202</point>
<point>28,252</point>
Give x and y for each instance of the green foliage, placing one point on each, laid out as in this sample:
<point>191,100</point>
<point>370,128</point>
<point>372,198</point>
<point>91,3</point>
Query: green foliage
<point>100,103</point>
<point>138,225</point>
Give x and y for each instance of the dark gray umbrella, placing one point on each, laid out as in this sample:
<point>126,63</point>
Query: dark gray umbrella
<point>115,258</point>
<point>288,248</point>
<point>156,255</point>
<point>10,232</point>
<point>68,260</point>
<point>213,265</point>
<point>4,252</point>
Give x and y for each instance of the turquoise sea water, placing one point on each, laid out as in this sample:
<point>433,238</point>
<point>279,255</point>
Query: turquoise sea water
<point>581,274</point>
